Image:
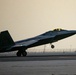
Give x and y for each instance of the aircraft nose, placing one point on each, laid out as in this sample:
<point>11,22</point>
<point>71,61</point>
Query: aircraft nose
<point>73,31</point>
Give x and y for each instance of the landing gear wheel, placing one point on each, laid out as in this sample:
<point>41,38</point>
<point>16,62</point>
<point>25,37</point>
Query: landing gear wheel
<point>52,46</point>
<point>24,53</point>
<point>21,51</point>
<point>18,54</point>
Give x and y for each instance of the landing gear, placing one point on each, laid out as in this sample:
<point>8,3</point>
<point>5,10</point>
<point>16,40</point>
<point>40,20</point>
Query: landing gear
<point>24,53</point>
<point>21,52</point>
<point>18,53</point>
<point>52,46</point>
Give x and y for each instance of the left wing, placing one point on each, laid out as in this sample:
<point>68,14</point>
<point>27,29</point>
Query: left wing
<point>31,41</point>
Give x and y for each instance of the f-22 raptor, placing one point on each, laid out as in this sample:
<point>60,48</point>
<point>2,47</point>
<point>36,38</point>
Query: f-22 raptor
<point>7,44</point>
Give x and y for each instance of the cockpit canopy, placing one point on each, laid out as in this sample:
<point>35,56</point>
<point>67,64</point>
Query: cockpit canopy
<point>58,29</point>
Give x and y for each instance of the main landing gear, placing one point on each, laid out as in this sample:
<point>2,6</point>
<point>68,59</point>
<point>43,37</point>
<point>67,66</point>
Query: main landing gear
<point>21,52</point>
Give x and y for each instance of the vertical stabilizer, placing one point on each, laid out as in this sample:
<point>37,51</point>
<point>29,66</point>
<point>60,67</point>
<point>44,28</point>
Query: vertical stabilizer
<point>5,39</point>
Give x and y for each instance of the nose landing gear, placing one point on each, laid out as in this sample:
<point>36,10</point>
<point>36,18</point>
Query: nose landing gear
<point>52,46</point>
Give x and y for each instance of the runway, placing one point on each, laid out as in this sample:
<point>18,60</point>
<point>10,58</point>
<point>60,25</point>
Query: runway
<point>37,58</point>
<point>37,65</point>
<point>6,57</point>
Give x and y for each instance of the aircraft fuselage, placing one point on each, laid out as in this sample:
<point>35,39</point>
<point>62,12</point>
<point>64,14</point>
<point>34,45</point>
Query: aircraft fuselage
<point>7,44</point>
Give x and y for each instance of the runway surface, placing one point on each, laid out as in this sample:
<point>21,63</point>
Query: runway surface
<point>54,67</point>
<point>37,65</point>
<point>6,57</point>
<point>36,58</point>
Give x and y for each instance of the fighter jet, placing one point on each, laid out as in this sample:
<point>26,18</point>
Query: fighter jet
<point>7,44</point>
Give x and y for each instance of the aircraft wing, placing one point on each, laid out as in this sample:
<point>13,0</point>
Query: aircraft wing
<point>26,43</point>
<point>22,44</point>
<point>32,41</point>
